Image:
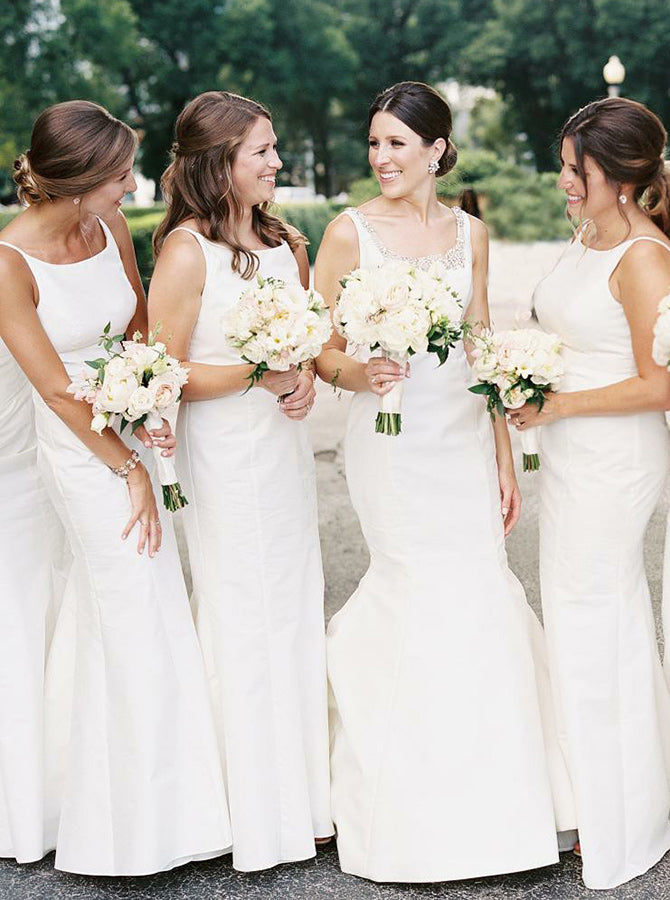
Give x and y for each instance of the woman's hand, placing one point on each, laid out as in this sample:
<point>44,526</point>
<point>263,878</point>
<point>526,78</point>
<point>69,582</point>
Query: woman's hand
<point>158,437</point>
<point>279,383</point>
<point>143,510</point>
<point>383,374</point>
<point>510,498</point>
<point>530,416</point>
<point>301,400</point>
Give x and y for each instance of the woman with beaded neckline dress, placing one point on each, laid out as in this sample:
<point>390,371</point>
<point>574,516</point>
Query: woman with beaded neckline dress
<point>143,788</point>
<point>444,755</point>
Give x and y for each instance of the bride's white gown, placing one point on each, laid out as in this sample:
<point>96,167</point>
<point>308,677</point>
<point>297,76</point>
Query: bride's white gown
<point>445,763</point>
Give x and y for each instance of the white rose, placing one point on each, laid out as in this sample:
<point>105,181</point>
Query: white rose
<point>165,390</point>
<point>141,401</point>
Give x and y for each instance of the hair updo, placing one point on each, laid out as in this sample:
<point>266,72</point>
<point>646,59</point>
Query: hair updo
<point>422,109</point>
<point>627,141</point>
<point>75,147</point>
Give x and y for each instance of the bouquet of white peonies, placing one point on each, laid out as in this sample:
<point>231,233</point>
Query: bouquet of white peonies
<point>140,384</point>
<point>513,368</point>
<point>276,325</point>
<point>399,309</point>
<point>661,347</point>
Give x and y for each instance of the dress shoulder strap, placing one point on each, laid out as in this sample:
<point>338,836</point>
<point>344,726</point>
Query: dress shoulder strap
<point>648,237</point>
<point>18,250</point>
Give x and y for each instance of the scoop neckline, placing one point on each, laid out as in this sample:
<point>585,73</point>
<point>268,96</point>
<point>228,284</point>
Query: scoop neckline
<point>77,262</point>
<point>221,244</point>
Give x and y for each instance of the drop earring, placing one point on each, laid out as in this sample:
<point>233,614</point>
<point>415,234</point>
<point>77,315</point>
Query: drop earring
<point>433,166</point>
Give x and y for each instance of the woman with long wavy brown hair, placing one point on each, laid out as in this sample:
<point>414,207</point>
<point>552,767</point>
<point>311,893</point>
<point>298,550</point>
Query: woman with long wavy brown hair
<point>248,471</point>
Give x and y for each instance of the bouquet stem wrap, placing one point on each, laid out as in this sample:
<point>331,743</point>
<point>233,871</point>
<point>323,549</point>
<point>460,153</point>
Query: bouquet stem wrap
<point>389,419</point>
<point>173,497</point>
<point>530,444</point>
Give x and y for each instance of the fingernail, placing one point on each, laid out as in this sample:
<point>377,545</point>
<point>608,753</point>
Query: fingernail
<point>505,511</point>
<point>147,444</point>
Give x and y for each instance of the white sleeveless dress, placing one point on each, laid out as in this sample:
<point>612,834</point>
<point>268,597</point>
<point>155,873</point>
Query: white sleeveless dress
<point>144,789</point>
<point>600,481</point>
<point>33,565</point>
<point>444,757</point>
<point>253,542</point>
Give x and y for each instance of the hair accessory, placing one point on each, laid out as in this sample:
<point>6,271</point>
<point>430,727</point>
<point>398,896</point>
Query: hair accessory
<point>433,166</point>
<point>623,199</point>
<point>77,201</point>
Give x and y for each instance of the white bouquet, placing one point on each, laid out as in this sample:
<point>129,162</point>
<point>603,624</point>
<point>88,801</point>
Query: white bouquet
<point>513,368</point>
<point>140,384</point>
<point>276,325</point>
<point>400,309</point>
<point>661,348</point>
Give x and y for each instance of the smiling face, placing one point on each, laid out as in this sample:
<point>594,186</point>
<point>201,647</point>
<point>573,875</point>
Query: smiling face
<point>587,199</point>
<point>399,157</point>
<point>256,164</point>
<point>106,199</point>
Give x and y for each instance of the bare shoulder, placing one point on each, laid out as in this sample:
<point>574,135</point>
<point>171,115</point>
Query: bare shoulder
<point>478,231</point>
<point>13,266</point>
<point>341,232</point>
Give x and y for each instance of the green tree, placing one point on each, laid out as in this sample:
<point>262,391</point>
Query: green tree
<point>545,57</point>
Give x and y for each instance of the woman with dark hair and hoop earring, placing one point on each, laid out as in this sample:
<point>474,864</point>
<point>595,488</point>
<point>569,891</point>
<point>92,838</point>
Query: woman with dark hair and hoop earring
<point>445,761</point>
<point>605,454</point>
<point>143,785</point>
<point>248,470</point>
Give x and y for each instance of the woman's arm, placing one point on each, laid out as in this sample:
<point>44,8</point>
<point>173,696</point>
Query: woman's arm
<point>641,279</point>
<point>301,399</point>
<point>337,256</point>
<point>22,332</point>
<point>119,228</point>
<point>175,296</point>
<point>477,315</point>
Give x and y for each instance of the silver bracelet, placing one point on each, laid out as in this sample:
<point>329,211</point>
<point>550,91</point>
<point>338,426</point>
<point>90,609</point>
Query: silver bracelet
<point>128,466</point>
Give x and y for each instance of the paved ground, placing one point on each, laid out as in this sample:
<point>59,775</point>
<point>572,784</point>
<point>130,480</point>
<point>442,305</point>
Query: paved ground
<point>345,560</point>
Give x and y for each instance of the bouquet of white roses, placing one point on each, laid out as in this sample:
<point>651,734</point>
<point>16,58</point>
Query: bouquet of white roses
<point>661,348</point>
<point>400,309</point>
<point>139,383</point>
<point>276,325</point>
<point>513,368</point>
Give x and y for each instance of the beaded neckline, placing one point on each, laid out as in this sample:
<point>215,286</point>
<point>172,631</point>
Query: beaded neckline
<point>453,258</point>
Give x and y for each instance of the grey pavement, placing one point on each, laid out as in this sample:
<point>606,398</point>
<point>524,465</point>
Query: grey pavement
<point>345,560</point>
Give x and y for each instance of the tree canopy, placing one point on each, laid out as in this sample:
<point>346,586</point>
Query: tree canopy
<point>318,64</point>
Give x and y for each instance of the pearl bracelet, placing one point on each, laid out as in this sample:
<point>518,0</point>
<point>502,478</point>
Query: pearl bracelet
<point>128,466</point>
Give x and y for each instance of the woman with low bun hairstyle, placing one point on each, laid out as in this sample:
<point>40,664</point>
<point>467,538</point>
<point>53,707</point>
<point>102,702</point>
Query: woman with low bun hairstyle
<point>605,456</point>
<point>248,469</point>
<point>143,789</point>
<point>445,761</point>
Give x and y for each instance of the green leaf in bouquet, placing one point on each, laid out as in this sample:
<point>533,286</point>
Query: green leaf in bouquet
<point>136,424</point>
<point>107,328</point>
<point>480,388</point>
<point>96,363</point>
<point>124,422</point>
<point>256,374</point>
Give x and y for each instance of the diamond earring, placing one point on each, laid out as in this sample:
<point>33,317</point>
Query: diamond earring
<point>76,201</point>
<point>433,166</point>
<point>623,199</point>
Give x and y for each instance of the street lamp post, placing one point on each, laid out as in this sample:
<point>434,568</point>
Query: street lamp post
<point>614,74</point>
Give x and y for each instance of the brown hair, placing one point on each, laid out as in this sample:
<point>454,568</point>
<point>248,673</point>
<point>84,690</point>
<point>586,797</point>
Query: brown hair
<point>422,109</point>
<point>627,141</point>
<point>75,147</point>
<point>198,183</point>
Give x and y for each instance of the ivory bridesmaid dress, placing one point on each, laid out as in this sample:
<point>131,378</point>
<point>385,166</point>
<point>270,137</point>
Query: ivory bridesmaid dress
<point>445,761</point>
<point>600,481</point>
<point>143,785</point>
<point>33,566</point>
<point>253,541</point>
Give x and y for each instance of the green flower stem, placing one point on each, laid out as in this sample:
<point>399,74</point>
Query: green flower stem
<point>388,423</point>
<point>531,462</point>
<point>173,499</point>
